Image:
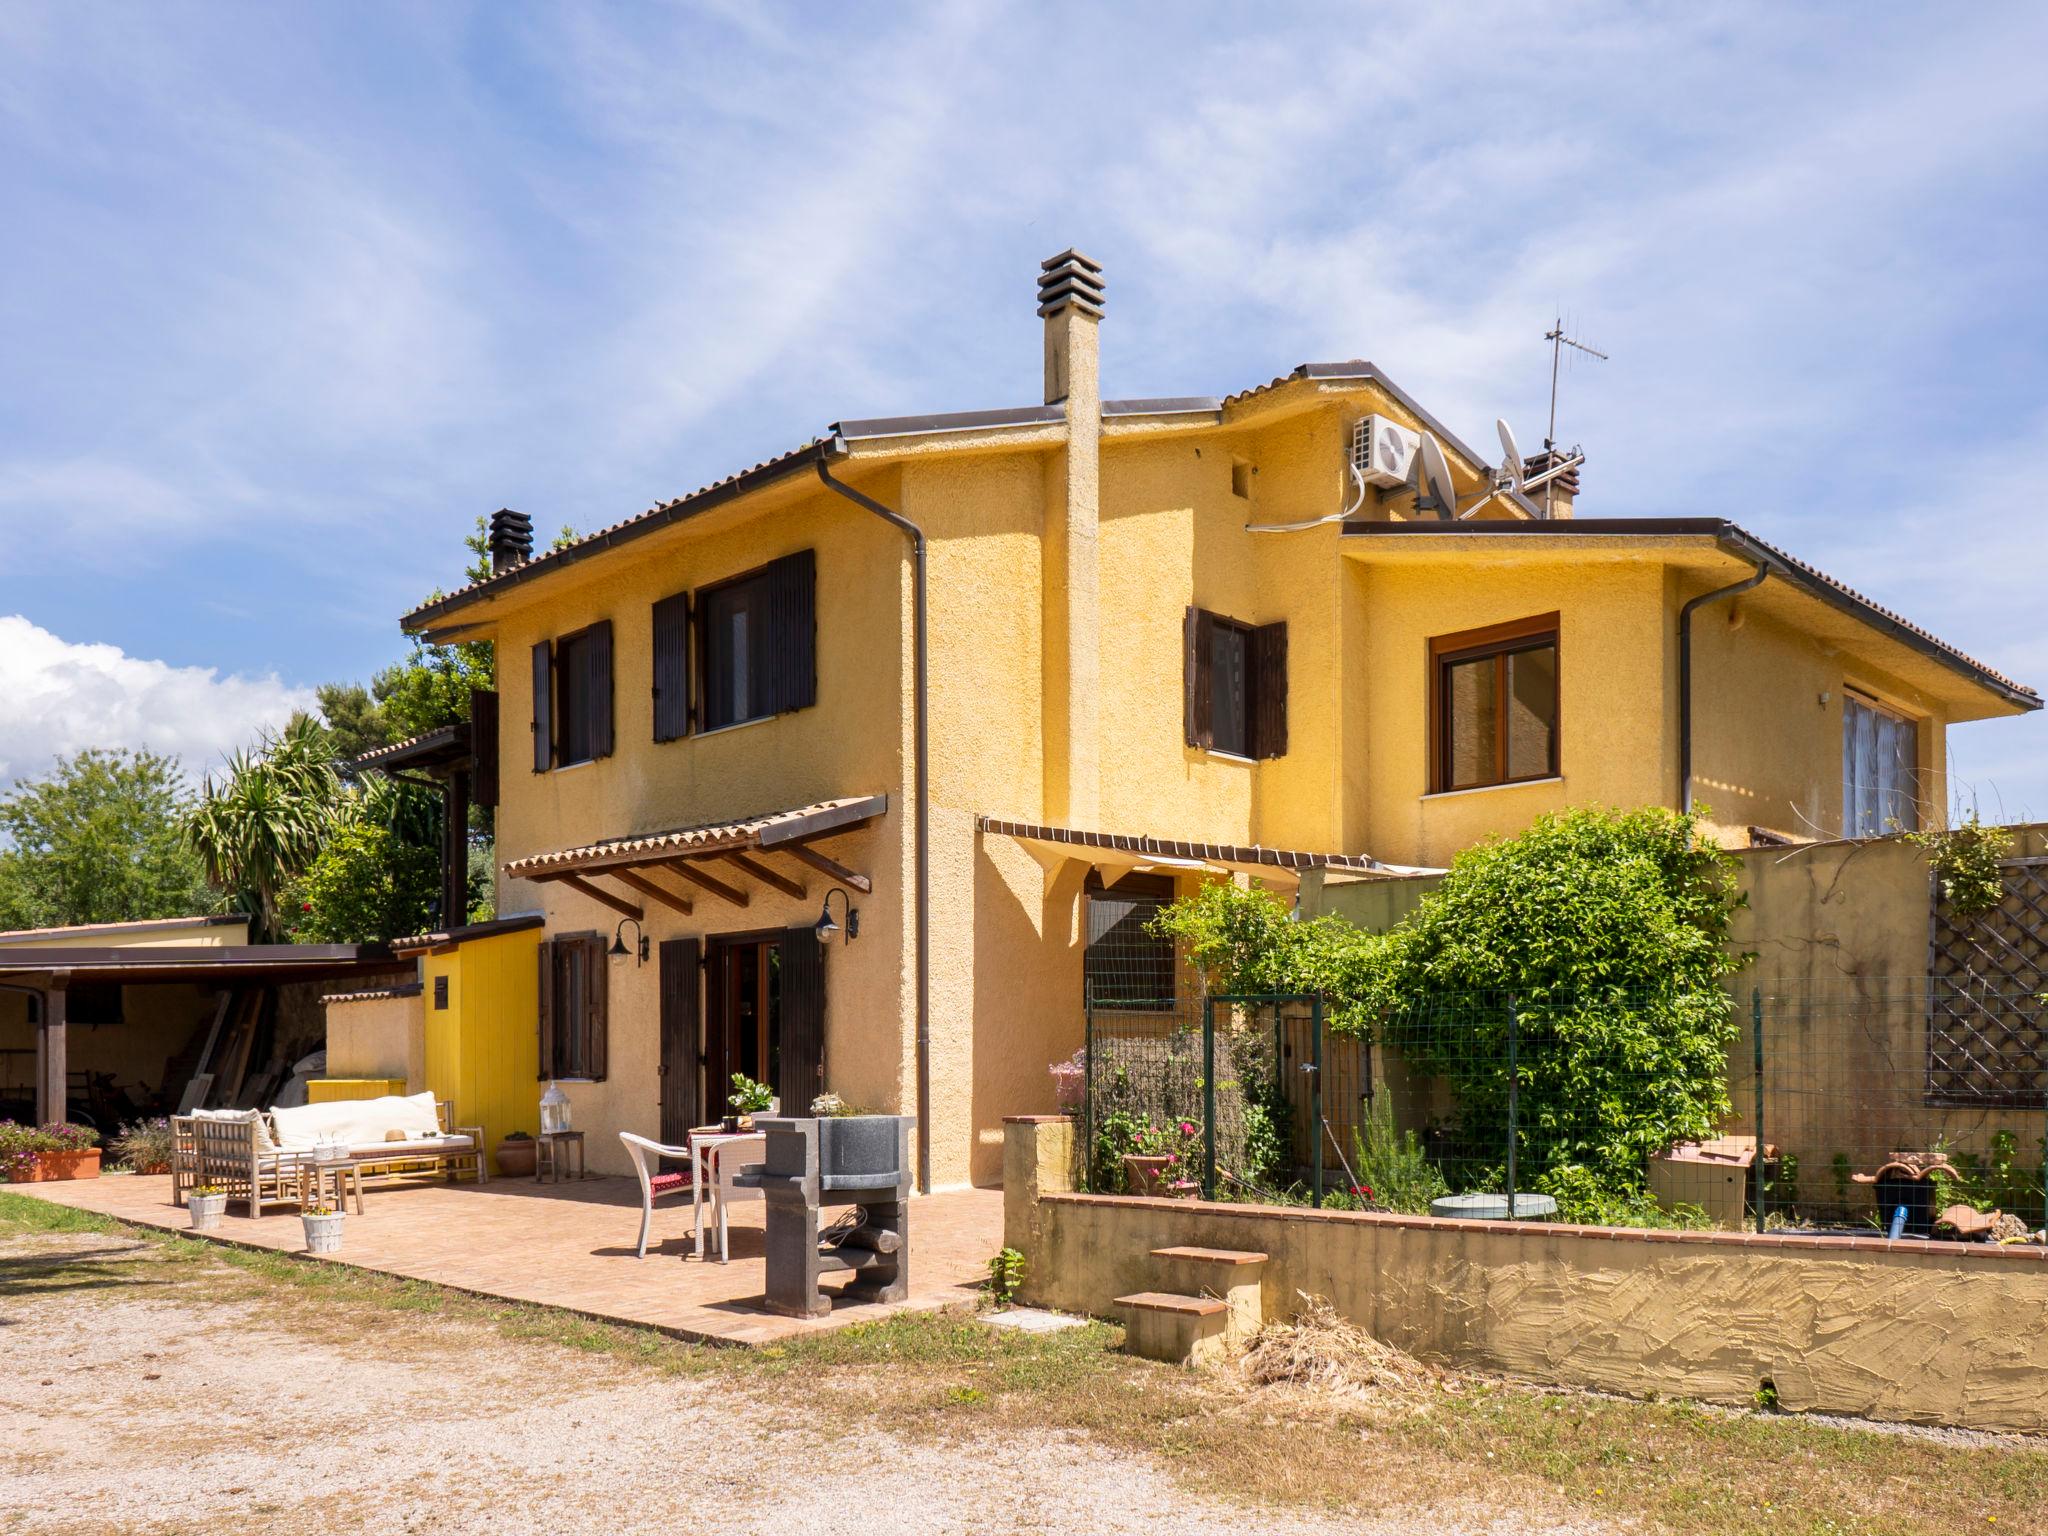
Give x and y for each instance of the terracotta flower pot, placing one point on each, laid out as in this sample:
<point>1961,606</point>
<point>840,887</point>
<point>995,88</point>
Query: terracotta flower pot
<point>1142,1175</point>
<point>47,1166</point>
<point>515,1159</point>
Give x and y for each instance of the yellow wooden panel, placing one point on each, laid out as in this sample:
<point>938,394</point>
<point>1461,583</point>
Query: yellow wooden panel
<point>481,1049</point>
<point>334,1090</point>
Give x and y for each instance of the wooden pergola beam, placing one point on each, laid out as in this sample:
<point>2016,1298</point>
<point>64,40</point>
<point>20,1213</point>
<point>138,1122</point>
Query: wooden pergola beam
<point>824,865</point>
<point>715,886</point>
<point>767,876</point>
<point>647,887</point>
<point>600,895</point>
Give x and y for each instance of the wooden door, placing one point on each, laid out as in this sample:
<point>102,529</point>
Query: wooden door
<point>681,1056</point>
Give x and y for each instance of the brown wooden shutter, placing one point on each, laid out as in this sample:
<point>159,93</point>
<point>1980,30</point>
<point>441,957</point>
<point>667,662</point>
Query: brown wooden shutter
<point>547,1009</point>
<point>598,678</point>
<point>1199,681</point>
<point>802,1077</point>
<point>792,641</point>
<point>543,706</point>
<point>1269,690</point>
<point>678,961</point>
<point>671,667</point>
<point>483,746</point>
<point>596,1007</point>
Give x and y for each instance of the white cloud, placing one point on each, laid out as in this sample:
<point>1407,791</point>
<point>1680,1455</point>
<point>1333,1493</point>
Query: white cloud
<point>58,697</point>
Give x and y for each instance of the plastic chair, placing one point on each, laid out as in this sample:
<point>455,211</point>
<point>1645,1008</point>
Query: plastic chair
<point>647,1156</point>
<point>728,1158</point>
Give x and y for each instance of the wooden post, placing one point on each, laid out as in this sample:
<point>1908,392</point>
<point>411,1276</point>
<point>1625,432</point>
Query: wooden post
<point>53,1071</point>
<point>455,849</point>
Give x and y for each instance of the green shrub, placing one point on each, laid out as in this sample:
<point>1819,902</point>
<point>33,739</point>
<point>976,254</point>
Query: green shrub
<point>145,1145</point>
<point>367,884</point>
<point>1005,1275</point>
<point>1392,1169</point>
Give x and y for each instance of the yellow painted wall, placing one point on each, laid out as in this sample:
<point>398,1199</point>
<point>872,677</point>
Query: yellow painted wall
<point>334,1090</point>
<point>482,1050</point>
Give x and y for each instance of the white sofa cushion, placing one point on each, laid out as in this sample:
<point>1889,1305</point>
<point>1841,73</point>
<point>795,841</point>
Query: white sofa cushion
<point>255,1117</point>
<point>358,1122</point>
<point>369,1150</point>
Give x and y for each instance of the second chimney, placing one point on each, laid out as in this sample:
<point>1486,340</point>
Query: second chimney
<point>1070,299</point>
<point>510,540</point>
<point>1070,303</point>
<point>1557,497</point>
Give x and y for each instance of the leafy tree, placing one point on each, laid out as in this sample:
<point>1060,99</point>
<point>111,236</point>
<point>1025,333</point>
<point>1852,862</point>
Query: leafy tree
<point>265,821</point>
<point>98,841</point>
<point>367,883</point>
<point>353,719</point>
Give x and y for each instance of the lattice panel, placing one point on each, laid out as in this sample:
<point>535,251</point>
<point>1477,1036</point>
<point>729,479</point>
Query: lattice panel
<point>1987,1029</point>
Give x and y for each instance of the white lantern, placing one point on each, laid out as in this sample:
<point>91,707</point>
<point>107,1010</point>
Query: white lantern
<point>554,1110</point>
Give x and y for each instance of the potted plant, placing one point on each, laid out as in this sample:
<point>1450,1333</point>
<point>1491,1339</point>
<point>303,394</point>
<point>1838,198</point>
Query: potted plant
<point>515,1155</point>
<point>748,1099</point>
<point>145,1145</point>
<point>60,1150</point>
<point>323,1227</point>
<point>1160,1159</point>
<point>206,1204</point>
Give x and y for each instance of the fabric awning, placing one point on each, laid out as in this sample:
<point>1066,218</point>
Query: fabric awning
<point>1124,851</point>
<point>744,846</point>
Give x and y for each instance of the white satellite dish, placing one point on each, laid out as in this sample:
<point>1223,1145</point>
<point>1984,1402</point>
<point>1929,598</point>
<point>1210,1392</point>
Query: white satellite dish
<point>1436,476</point>
<point>1511,465</point>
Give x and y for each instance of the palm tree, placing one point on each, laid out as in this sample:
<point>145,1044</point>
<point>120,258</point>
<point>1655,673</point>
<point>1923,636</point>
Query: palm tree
<point>266,819</point>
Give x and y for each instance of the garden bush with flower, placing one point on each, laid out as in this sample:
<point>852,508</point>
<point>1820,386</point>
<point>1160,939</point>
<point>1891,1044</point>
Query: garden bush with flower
<point>21,1145</point>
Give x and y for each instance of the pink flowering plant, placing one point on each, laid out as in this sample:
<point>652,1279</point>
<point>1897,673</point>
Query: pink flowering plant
<point>1178,1141</point>
<point>21,1145</point>
<point>1069,1082</point>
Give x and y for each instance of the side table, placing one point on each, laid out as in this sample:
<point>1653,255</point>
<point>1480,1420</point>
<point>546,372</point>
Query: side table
<point>548,1155</point>
<point>346,1175</point>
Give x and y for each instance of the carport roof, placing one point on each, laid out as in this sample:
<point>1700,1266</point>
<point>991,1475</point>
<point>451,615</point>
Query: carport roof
<point>203,962</point>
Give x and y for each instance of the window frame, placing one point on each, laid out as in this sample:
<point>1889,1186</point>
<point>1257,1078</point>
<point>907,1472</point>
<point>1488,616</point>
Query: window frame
<point>765,653</point>
<point>576,1039</point>
<point>1265,673</point>
<point>1864,699</point>
<point>1134,887</point>
<point>564,678</point>
<point>1498,642</point>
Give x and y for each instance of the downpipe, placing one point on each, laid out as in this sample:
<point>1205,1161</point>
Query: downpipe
<point>1734,589</point>
<point>922,816</point>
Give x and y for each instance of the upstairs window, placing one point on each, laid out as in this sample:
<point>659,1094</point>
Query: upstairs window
<point>572,698</point>
<point>1235,685</point>
<point>1494,699</point>
<point>1880,769</point>
<point>757,643</point>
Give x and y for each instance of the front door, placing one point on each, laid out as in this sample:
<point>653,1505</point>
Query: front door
<point>764,1015</point>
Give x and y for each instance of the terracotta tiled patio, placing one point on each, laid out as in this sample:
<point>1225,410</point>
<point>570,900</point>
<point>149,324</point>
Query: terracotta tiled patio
<point>571,1245</point>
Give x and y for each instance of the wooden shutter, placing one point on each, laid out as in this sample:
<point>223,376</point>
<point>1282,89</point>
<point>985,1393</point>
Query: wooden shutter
<point>672,667</point>
<point>791,657</point>
<point>678,962</point>
<point>596,1010</point>
<point>802,1077</point>
<point>598,679</point>
<point>1269,690</point>
<point>483,746</point>
<point>547,1009</point>
<point>543,706</point>
<point>1199,677</point>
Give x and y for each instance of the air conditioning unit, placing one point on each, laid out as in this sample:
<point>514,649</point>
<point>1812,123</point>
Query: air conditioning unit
<point>1383,451</point>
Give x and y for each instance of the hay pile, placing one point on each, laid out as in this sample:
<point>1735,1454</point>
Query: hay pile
<point>1322,1353</point>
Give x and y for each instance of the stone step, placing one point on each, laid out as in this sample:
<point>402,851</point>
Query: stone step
<point>1181,1330</point>
<point>1234,1257</point>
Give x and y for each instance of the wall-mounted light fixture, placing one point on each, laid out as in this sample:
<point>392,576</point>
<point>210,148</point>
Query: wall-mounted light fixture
<point>618,951</point>
<point>827,927</point>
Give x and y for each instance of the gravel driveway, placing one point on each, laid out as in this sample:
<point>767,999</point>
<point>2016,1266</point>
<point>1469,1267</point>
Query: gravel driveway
<point>132,1400</point>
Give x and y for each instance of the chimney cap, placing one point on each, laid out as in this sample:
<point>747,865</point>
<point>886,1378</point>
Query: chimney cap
<point>510,541</point>
<point>1070,280</point>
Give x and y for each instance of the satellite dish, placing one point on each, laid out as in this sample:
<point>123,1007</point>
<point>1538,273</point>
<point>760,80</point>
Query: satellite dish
<point>1436,475</point>
<point>1512,464</point>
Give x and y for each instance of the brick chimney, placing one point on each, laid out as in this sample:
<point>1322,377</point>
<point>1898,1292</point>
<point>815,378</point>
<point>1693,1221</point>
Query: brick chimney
<point>1070,301</point>
<point>510,540</point>
<point>1558,496</point>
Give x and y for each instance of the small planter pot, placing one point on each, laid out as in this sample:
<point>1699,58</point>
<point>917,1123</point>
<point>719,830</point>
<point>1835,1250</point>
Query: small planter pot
<point>1143,1175</point>
<point>323,1233</point>
<point>515,1159</point>
<point>46,1167</point>
<point>206,1211</point>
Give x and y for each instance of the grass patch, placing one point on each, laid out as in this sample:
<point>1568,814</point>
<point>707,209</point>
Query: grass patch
<point>1484,1446</point>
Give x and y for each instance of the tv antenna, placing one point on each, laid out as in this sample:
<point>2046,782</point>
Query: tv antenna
<point>1558,342</point>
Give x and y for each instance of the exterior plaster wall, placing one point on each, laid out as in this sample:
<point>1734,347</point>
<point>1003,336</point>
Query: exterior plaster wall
<point>379,1037</point>
<point>1911,1332</point>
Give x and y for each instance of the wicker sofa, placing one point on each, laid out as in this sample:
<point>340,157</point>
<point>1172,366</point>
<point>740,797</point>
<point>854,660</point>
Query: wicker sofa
<point>257,1155</point>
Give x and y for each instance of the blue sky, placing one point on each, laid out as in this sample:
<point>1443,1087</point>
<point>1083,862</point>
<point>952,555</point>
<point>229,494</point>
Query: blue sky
<point>292,294</point>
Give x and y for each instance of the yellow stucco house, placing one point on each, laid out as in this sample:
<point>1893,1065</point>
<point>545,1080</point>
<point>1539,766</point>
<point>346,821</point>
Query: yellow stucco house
<point>1001,677</point>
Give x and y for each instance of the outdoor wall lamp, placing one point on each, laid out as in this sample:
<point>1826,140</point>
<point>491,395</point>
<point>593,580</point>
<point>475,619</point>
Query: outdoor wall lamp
<point>826,927</point>
<point>618,950</point>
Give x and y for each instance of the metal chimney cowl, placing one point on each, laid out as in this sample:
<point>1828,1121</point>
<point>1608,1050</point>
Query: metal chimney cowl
<point>510,540</point>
